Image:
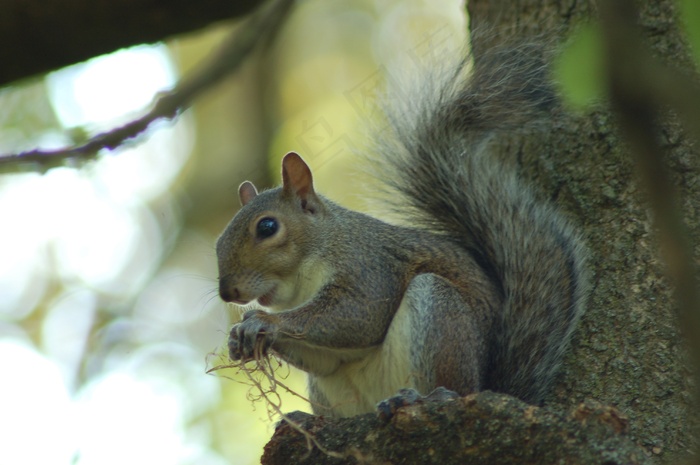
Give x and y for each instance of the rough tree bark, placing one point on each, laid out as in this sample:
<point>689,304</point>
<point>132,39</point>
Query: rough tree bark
<point>484,428</point>
<point>628,352</point>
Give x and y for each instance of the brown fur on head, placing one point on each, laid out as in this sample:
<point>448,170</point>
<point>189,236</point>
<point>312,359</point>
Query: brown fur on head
<point>264,249</point>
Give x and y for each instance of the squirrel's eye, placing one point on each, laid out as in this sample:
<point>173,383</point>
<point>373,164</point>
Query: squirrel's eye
<point>266,227</point>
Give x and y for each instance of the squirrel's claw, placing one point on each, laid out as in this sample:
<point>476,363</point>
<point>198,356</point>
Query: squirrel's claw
<point>405,397</point>
<point>252,337</point>
<point>233,346</point>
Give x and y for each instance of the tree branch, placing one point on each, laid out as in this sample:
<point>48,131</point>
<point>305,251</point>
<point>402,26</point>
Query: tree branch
<point>259,29</point>
<point>39,36</point>
<point>483,428</point>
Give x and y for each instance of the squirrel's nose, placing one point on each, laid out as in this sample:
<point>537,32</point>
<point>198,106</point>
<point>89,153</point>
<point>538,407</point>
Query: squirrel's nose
<point>230,293</point>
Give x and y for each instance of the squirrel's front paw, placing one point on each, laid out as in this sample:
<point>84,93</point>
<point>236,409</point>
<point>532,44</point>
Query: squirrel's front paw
<point>252,336</point>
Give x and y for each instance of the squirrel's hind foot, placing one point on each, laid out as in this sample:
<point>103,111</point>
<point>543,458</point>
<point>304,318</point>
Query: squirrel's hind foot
<point>387,408</point>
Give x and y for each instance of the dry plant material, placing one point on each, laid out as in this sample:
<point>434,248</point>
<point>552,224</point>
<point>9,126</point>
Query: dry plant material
<point>260,374</point>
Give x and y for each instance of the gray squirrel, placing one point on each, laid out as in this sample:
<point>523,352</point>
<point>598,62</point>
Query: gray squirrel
<point>483,292</point>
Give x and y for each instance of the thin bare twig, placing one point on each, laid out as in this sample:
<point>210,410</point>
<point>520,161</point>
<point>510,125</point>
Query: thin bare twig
<point>258,30</point>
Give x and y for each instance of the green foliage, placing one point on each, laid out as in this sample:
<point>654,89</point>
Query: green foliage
<point>690,18</point>
<point>580,69</point>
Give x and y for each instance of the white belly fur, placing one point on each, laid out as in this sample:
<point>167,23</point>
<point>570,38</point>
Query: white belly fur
<point>358,386</point>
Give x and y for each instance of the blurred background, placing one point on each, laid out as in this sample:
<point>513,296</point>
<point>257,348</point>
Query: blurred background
<point>109,313</point>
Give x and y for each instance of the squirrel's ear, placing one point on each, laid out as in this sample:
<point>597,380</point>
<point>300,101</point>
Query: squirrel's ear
<point>298,181</point>
<point>247,192</point>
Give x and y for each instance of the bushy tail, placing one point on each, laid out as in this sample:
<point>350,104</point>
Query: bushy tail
<point>440,162</point>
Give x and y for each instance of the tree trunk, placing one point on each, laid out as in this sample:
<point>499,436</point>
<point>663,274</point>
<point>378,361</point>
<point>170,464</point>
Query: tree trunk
<point>628,351</point>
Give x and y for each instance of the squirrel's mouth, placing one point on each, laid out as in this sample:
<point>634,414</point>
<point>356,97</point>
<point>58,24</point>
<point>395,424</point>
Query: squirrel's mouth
<point>266,299</point>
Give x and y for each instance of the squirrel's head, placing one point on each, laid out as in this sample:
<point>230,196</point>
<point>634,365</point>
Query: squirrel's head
<point>261,251</point>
